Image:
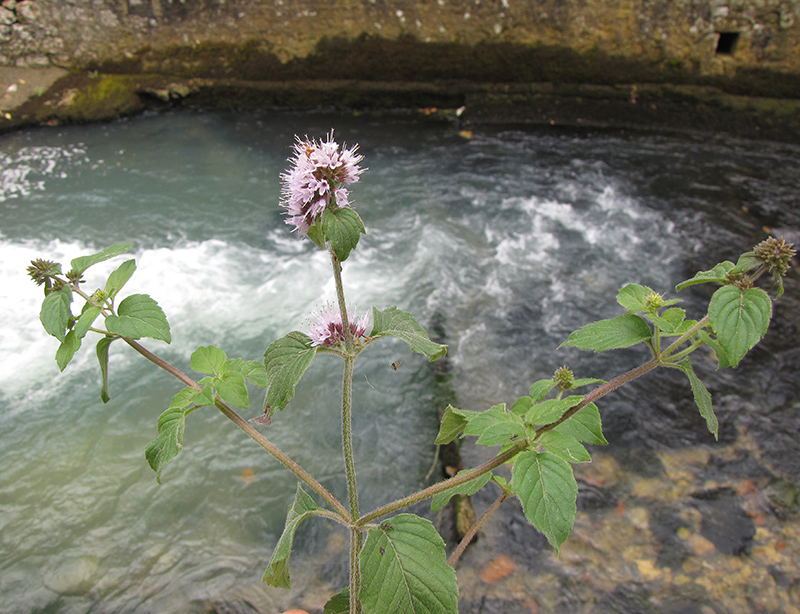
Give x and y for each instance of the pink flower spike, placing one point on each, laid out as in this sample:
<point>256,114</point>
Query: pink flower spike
<point>317,179</point>
<point>327,330</point>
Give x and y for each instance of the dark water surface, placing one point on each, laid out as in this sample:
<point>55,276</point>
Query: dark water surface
<point>515,238</point>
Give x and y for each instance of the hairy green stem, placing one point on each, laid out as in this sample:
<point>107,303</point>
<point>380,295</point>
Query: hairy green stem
<point>465,541</point>
<point>262,441</point>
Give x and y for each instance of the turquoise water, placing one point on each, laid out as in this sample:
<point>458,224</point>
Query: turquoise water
<point>515,237</point>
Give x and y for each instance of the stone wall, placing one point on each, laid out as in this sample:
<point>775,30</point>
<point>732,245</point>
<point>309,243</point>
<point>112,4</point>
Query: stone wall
<point>714,37</point>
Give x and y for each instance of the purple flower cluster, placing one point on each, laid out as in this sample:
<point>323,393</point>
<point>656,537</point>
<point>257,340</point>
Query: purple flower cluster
<point>316,179</point>
<point>327,330</point>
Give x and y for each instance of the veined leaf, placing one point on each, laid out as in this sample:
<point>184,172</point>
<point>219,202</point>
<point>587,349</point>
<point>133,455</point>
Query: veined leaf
<point>633,297</point>
<point>670,321</point>
<point>80,264</point>
<point>119,277</point>
<point>539,390</point>
<point>620,332</point>
<point>702,397</point>
<point>495,426</point>
<point>255,372</point>
<point>171,425</point>
<point>453,422</point>
<point>208,359</point>
<point>86,319</point>
<point>67,349</point>
<point>547,489</point>
<point>404,569</point>
<point>439,500</point>
<point>565,447</point>
<point>139,316</point>
<point>277,573</point>
<point>740,319</point>
<point>285,361</point>
<point>722,355</point>
<point>402,325</point>
<point>585,426</point>
<point>551,410</point>
<point>55,314</point>
<point>232,389</point>
<point>342,227</point>
<point>718,274</point>
<point>339,603</point>
<point>102,357</point>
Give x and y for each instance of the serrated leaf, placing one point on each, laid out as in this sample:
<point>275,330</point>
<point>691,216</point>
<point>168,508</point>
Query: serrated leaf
<point>740,319</point>
<point>232,389</point>
<point>342,227</point>
<point>102,357</point>
<point>402,325</point>
<point>67,349</point>
<point>439,500</point>
<point>255,372</point>
<point>208,359</point>
<point>702,397</point>
<point>522,405</point>
<point>722,356</point>
<point>540,389</point>
<point>339,603</point>
<point>277,572</point>
<point>746,262</point>
<point>620,332</point>
<point>119,277</point>
<point>547,490</point>
<point>585,426</point>
<point>139,316</point>
<point>453,422</point>
<point>86,320</point>
<point>550,410</point>
<point>718,275</point>
<point>633,297</point>
<point>404,569</point>
<point>285,361</point>
<point>171,425</point>
<point>669,321</point>
<point>80,264</point>
<point>495,426</point>
<point>55,314</point>
<point>565,447</point>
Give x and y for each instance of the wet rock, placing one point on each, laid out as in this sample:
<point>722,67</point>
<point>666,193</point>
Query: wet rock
<point>74,576</point>
<point>724,523</point>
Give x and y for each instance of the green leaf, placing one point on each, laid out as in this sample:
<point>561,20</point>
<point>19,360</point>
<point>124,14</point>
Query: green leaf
<point>719,274</point>
<point>277,573</point>
<point>551,410</point>
<point>139,316</point>
<point>67,349</point>
<point>453,422</point>
<point>402,325</point>
<point>80,264</point>
<point>586,381</point>
<point>740,319</point>
<point>171,425</point>
<point>285,362</point>
<point>522,405</point>
<point>208,359</point>
<point>232,389</point>
<point>55,314</point>
<point>547,490</point>
<point>722,356</point>
<point>495,426</point>
<point>404,569</point>
<point>339,603</point>
<point>439,500</point>
<point>86,320</point>
<point>119,277</point>
<point>565,447</point>
<point>585,426</point>
<point>255,373</point>
<point>316,235</point>
<point>539,390</point>
<point>702,397</point>
<point>342,227</point>
<point>620,332</point>
<point>102,357</point>
<point>747,262</point>
<point>633,297</point>
<point>670,321</point>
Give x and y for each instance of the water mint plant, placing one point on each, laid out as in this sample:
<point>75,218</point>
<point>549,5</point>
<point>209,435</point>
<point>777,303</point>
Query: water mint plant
<point>398,560</point>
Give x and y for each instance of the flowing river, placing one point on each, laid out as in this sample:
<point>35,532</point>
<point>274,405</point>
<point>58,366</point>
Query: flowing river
<point>511,239</point>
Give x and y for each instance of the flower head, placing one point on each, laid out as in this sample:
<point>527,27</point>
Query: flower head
<point>317,179</point>
<point>776,254</point>
<point>327,329</point>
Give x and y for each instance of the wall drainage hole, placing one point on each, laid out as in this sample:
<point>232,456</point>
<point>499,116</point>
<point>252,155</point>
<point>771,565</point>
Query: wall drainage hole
<point>726,42</point>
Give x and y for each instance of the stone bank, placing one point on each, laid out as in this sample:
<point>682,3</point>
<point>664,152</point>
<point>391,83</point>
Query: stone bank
<point>725,65</point>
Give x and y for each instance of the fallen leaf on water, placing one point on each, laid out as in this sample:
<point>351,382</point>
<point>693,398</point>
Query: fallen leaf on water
<point>497,569</point>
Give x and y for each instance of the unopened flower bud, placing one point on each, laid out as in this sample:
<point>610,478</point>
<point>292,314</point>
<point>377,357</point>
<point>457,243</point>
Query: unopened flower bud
<point>654,302</point>
<point>776,254</point>
<point>564,378</point>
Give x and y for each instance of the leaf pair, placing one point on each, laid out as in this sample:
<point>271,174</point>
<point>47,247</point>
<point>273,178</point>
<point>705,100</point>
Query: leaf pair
<point>227,376</point>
